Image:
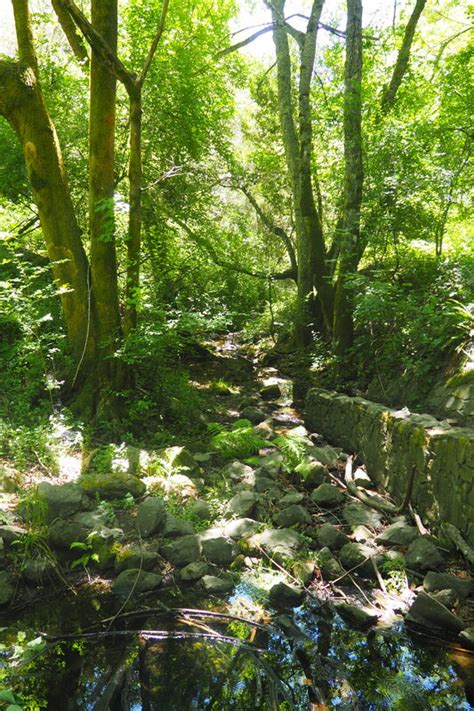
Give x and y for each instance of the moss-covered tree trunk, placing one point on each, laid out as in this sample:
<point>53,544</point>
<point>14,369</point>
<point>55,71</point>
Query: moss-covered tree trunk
<point>101,196</point>
<point>353,178</point>
<point>22,104</point>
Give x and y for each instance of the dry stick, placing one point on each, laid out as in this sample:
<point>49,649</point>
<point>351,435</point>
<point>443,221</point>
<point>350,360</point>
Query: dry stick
<point>379,577</point>
<point>459,541</point>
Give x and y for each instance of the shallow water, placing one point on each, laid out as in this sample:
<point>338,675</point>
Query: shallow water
<point>290,662</point>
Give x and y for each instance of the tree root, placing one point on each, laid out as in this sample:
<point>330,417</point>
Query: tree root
<point>372,501</point>
<point>455,536</point>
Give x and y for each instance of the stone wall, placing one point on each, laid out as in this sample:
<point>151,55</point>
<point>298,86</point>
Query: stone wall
<point>392,442</point>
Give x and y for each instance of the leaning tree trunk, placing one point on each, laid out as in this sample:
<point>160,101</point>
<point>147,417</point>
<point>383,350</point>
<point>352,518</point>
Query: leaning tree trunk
<point>353,178</point>
<point>101,196</point>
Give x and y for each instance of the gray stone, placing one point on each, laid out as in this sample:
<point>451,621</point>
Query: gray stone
<point>62,500</point>
<point>362,479</point>
<point>135,580</point>
<point>193,571</point>
<point>3,560</point>
<point>243,503</point>
<point>279,542</point>
<point>201,510</point>
<point>62,533</point>
<point>93,520</point>
<point>313,473</point>
<point>356,617</point>
<point>428,612</point>
<point>423,555</point>
<point>136,557</point>
<point>182,551</point>
<point>283,596</point>
<point>253,414</point>
<point>329,536</point>
<point>360,515</point>
<point>220,551</point>
<point>294,515</point>
<point>10,480</point>
<point>11,533</point>
<point>241,528</point>
<point>7,589</point>
<point>270,392</point>
<point>448,598</point>
<point>294,497</point>
<point>330,568</point>
<point>327,495</point>
<point>326,455</point>
<point>441,581</point>
<point>237,471</point>
<point>179,459</point>
<point>264,484</point>
<point>303,571</point>
<point>358,555</point>
<point>213,585</point>
<point>398,534</point>
<point>111,484</point>
<point>151,516</point>
<point>175,527</point>
<point>248,401</point>
<point>38,572</point>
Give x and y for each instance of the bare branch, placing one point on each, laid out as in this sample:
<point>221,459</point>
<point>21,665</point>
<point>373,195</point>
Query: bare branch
<point>156,40</point>
<point>245,42</point>
<point>73,37</point>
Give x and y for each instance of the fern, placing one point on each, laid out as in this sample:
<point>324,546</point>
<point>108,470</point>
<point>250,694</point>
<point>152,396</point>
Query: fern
<point>239,442</point>
<point>293,449</point>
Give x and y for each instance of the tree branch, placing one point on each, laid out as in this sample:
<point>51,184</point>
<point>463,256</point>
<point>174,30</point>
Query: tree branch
<point>74,38</point>
<point>156,40</point>
<point>245,42</point>
<point>401,65</point>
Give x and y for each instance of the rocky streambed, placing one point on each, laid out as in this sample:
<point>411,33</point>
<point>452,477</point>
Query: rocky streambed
<point>248,542</point>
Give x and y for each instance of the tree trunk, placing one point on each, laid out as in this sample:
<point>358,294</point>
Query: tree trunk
<point>134,225</point>
<point>353,178</point>
<point>101,194</point>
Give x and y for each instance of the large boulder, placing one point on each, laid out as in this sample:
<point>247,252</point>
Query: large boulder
<point>111,484</point>
<point>278,542</point>
<point>356,617</point>
<point>38,572</point>
<point>201,510</point>
<point>357,556</point>
<point>62,533</point>
<point>182,551</point>
<point>135,557</point>
<point>327,495</point>
<point>219,550</point>
<point>175,527</point>
<point>243,503</point>
<point>398,534</point>
<point>241,528</point>
<point>434,581</point>
<point>329,536</point>
<point>135,581</point>
<point>283,596</point>
<point>62,500</point>
<point>213,585</point>
<point>193,571</point>
<point>151,516</point>
<point>7,588</point>
<point>294,515</point>
<point>356,514</point>
<point>429,612</point>
<point>423,555</point>
<point>253,414</point>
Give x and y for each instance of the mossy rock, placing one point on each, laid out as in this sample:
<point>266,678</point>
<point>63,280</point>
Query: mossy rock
<point>111,485</point>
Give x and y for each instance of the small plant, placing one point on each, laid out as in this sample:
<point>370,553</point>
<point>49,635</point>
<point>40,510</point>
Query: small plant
<point>293,448</point>
<point>89,553</point>
<point>240,442</point>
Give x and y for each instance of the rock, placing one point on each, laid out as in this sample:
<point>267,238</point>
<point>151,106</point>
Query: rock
<point>151,516</point>
<point>11,533</point>
<point>362,479</point>
<point>201,510</point>
<point>62,533</point>
<point>182,551</point>
<point>3,560</point>
<point>270,392</point>
<point>326,455</point>
<point>360,515</point>
<point>356,617</point>
<point>329,536</point>
<point>313,473</point>
<point>178,459</point>
<point>243,503</point>
<point>241,528</point>
<point>220,551</point>
<point>111,484</point>
<point>249,401</point>
<point>293,497</point>
<point>214,585</point>
<point>428,612</point>
<point>253,415</point>
<point>7,589</point>
<point>265,429</point>
<point>330,568</point>
<point>238,471</point>
<point>303,571</point>
<point>362,534</point>
<point>448,598</point>
<point>358,555</point>
<point>294,515</point>
<point>62,500</point>
<point>38,572</point>
<point>327,495</point>
<point>283,596</point>
<point>137,580</point>
<point>136,557</point>
<point>278,542</point>
<point>93,520</point>
<point>10,480</point>
<point>441,581</point>
<point>423,555</point>
<point>398,534</point>
<point>467,637</point>
<point>263,483</point>
<point>193,571</point>
<point>175,527</point>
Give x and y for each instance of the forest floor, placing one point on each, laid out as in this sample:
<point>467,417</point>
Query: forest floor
<point>241,529</point>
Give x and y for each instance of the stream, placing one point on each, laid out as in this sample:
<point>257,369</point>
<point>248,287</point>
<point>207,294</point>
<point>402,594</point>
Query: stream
<point>79,647</point>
